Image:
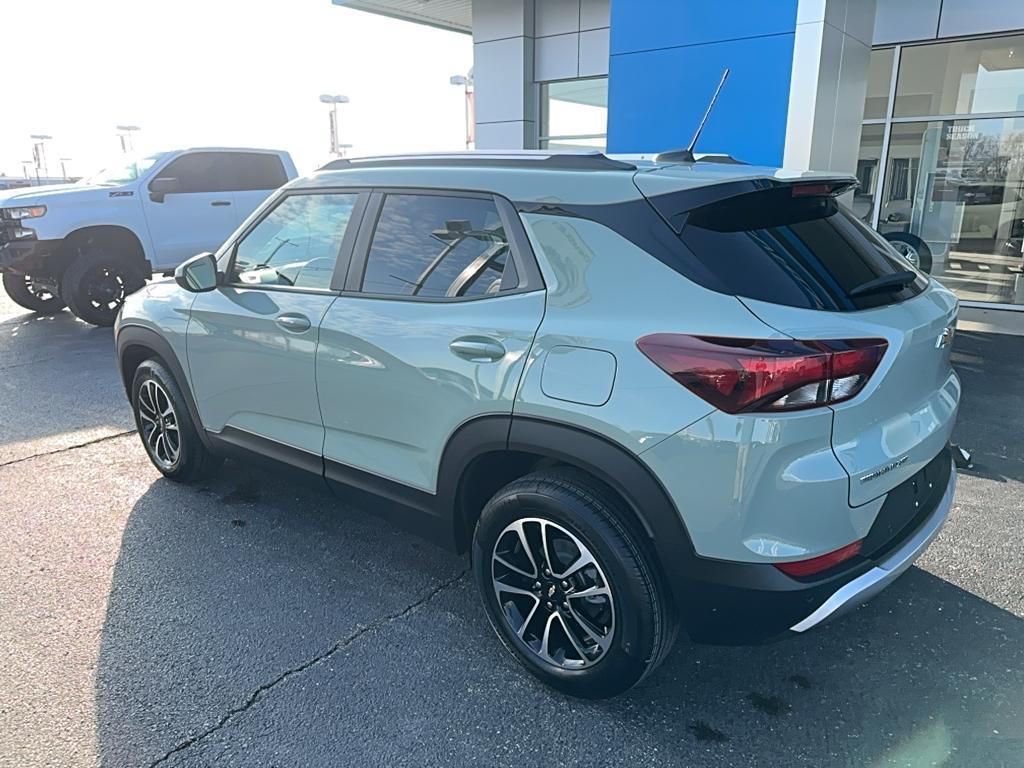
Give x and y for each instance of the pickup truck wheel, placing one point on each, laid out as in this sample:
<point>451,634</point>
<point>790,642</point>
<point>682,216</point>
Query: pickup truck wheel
<point>35,293</point>
<point>96,284</point>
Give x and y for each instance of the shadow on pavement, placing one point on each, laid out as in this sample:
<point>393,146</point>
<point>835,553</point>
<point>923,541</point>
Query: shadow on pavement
<point>990,425</point>
<point>73,364</point>
<point>238,585</point>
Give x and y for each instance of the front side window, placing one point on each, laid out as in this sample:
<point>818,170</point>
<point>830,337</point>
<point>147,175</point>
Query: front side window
<point>297,244</point>
<point>438,246</point>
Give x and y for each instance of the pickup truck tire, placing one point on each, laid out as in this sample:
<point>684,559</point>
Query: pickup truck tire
<point>96,284</point>
<point>27,293</point>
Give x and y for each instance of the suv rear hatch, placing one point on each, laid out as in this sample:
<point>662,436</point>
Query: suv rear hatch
<point>805,266</point>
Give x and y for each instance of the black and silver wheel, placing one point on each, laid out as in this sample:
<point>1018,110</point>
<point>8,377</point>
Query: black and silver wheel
<point>158,425</point>
<point>553,593</point>
<point>567,586</point>
<point>165,426</point>
<point>96,284</point>
<point>912,248</point>
<point>35,292</point>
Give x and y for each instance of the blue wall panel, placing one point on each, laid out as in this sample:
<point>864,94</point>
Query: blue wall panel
<point>641,25</point>
<point>667,58</point>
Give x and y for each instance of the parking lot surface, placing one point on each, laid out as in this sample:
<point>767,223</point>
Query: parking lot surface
<point>253,622</point>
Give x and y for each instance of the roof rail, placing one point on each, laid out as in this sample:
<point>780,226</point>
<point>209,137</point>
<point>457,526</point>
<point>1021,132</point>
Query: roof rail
<point>562,161</point>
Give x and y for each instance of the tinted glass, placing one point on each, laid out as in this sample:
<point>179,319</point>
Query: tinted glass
<point>801,252</point>
<point>253,171</point>
<point>196,172</point>
<point>226,171</point>
<point>297,244</point>
<point>876,100</point>
<point>436,246</point>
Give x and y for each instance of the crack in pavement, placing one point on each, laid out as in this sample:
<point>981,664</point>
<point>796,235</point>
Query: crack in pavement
<point>67,448</point>
<point>265,688</point>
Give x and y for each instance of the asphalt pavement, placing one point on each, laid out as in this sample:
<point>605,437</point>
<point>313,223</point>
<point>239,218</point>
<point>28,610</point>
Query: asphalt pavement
<point>254,622</point>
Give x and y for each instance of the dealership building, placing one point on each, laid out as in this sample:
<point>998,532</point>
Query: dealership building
<point>922,99</point>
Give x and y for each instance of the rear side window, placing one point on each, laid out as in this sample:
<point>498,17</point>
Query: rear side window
<point>799,251</point>
<point>438,246</point>
<point>253,171</point>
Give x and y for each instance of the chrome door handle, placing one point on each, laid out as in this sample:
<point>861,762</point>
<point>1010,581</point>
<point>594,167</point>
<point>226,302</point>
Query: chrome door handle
<point>477,349</point>
<point>294,323</point>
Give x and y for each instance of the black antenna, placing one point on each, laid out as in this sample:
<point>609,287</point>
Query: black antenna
<point>686,155</point>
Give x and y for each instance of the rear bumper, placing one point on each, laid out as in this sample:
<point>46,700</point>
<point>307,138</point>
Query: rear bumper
<point>742,603</point>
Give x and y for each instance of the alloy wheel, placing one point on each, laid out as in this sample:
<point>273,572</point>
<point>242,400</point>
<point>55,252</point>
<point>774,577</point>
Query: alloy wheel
<point>159,424</point>
<point>42,290</point>
<point>553,593</point>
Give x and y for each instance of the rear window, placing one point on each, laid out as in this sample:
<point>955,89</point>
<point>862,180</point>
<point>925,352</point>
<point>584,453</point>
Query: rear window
<point>805,252</point>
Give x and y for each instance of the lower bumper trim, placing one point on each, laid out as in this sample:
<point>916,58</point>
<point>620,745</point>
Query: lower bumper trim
<point>869,584</point>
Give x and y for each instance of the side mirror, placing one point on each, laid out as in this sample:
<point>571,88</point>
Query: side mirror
<point>198,274</point>
<point>161,187</point>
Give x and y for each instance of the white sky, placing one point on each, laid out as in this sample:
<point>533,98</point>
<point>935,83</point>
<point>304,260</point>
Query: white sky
<point>222,72</point>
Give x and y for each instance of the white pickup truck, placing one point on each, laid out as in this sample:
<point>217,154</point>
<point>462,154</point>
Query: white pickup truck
<point>88,245</point>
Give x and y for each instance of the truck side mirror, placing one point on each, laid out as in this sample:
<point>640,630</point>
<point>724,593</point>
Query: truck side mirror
<point>161,187</point>
<point>198,274</point>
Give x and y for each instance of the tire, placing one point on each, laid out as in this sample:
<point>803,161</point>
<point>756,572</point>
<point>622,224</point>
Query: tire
<point>96,284</point>
<point>912,248</point>
<point>631,624</point>
<point>31,295</point>
<point>160,411</point>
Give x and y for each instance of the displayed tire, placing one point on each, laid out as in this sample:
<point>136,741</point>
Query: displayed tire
<point>165,427</point>
<point>567,587</point>
<point>31,293</point>
<point>912,248</point>
<point>96,283</point>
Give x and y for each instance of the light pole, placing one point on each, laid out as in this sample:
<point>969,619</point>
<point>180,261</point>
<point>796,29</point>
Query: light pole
<point>334,100</point>
<point>39,152</point>
<point>63,169</point>
<point>124,134</point>
<point>466,81</point>
<point>25,165</point>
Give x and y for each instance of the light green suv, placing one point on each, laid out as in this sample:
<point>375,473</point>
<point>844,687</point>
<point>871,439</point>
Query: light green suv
<point>644,396</point>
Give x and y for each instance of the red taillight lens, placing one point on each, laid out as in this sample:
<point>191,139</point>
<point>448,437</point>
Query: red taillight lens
<point>820,563</point>
<point>741,375</point>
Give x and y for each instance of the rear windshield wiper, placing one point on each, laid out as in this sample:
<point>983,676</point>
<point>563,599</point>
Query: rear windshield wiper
<point>884,284</point>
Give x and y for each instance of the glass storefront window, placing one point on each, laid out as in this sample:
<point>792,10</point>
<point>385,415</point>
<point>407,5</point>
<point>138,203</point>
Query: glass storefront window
<point>963,77</point>
<point>574,114</point>
<point>870,156</point>
<point>879,79</point>
<point>954,193</point>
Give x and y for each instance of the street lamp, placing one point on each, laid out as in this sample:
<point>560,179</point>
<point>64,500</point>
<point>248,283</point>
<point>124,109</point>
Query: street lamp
<point>466,81</point>
<point>334,100</point>
<point>124,133</point>
<point>63,169</point>
<point>39,152</point>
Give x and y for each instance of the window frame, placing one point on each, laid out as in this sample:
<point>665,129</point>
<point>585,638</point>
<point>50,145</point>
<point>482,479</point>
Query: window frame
<point>520,251</point>
<point>342,258</point>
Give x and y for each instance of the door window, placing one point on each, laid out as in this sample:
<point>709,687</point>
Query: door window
<point>438,246</point>
<point>296,244</point>
<point>225,172</point>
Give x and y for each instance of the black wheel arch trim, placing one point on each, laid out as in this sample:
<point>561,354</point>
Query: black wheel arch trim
<point>130,336</point>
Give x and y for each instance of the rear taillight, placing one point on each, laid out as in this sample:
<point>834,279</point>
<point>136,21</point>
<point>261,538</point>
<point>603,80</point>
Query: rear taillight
<point>743,375</point>
<point>819,564</point>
